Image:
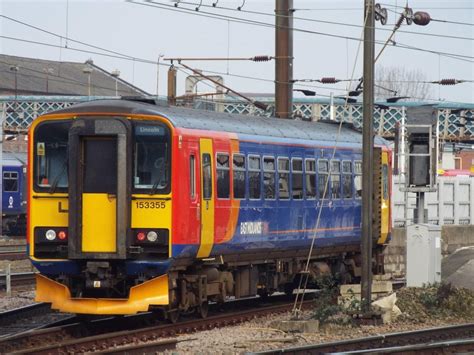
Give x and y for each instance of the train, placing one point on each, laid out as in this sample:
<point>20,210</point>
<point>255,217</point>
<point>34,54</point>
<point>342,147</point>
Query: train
<point>136,207</point>
<point>14,194</point>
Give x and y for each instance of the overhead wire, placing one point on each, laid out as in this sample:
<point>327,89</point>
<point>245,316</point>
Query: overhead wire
<point>141,60</point>
<point>118,55</point>
<point>62,37</point>
<point>437,35</point>
<point>264,24</point>
<point>440,8</point>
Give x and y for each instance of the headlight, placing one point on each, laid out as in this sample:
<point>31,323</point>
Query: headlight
<point>152,236</point>
<point>50,234</point>
<point>140,236</point>
<point>62,235</point>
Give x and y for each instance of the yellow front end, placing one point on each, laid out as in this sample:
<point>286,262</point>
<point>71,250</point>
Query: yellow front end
<point>150,293</point>
<point>385,225</point>
<point>100,237</point>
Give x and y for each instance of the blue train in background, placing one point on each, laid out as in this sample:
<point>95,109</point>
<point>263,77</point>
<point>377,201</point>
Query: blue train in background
<point>14,193</point>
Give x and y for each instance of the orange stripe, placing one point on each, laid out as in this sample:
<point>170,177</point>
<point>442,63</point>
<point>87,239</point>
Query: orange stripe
<point>235,204</point>
<point>314,230</point>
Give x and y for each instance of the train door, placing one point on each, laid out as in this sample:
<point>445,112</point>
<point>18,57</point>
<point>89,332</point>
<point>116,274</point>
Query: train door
<point>99,189</point>
<point>99,204</point>
<point>207,198</point>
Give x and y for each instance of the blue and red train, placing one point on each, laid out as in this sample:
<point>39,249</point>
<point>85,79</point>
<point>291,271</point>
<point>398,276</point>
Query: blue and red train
<point>134,206</point>
<point>14,194</point>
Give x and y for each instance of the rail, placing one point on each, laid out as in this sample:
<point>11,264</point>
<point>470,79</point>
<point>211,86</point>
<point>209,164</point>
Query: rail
<point>8,280</point>
<point>421,338</point>
<point>89,336</point>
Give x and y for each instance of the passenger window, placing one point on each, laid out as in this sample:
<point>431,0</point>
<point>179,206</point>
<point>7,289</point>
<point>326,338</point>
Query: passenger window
<point>223,175</point>
<point>323,173</point>
<point>385,181</point>
<point>358,178</point>
<point>254,177</point>
<point>283,178</point>
<point>336,179</point>
<point>10,181</point>
<point>269,178</point>
<point>206,176</point>
<point>297,178</point>
<point>192,176</point>
<point>347,179</point>
<point>310,179</point>
<point>238,166</point>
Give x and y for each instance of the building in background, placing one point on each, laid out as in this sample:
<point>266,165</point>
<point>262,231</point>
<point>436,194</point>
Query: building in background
<point>41,82</point>
<point>20,76</point>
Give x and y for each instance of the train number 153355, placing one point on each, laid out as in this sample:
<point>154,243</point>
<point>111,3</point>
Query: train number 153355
<point>151,204</point>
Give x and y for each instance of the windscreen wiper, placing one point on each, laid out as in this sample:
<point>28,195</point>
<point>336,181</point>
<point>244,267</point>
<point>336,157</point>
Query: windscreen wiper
<point>58,177</point>
<point>158,180</point>
<point>156,184</point>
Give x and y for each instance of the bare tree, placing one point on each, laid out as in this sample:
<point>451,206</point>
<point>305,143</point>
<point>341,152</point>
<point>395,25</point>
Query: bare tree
<point>403,81</point>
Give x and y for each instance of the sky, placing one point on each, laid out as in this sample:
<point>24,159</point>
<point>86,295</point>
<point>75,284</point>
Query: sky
<point>145,30</point>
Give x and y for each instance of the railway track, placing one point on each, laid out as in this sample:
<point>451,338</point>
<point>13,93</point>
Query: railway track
<point>13,251</point>
<point>28,318</point>
<point>97,335</point>
<point>18,279</point>
<point>457,338</point>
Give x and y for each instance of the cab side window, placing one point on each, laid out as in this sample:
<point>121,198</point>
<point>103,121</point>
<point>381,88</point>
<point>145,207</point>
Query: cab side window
<point>10,181</point>
<point>297,178</point>
<point>310,171</point>
<point>323,173</point>
<point>192,176</point>
<point>254,177</point>
<point>223,175</point>
<point>206,176</point>
<point>336,179</point>
<point>269,178</point>
<point>283,178</point>
<point>347,179</point>
<point>238,167</point>
<point>358,178</point>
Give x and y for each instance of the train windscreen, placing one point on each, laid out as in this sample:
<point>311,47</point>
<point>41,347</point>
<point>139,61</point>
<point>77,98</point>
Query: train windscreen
<point>151,158</point>
<point>51,156</point>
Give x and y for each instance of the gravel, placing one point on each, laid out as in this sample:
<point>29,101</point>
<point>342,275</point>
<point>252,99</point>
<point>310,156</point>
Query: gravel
<point>432,306</point>
<point>21,296</point>
<point>422,308</point>
<point>256,335</point>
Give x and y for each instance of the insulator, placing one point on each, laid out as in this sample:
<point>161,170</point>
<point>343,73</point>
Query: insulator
<point>383,16</point>
<point>421,18</point>
<point>329,80</point>
<point>261,58</point>
<point>408,13</point>
<point>400,21</point>
<point>448,82</point>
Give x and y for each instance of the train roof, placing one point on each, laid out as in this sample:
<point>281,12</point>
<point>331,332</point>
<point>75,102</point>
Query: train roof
<point>13,159</point>
<point>243,124</point>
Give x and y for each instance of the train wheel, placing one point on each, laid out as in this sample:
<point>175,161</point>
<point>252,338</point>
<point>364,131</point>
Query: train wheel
<point>172,316</point>
<point>203,309</point>
<point>263,294</point>
<point>288,289</point>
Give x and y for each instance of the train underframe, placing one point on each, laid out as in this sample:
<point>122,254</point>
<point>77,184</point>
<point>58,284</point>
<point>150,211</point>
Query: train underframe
<point>190,286</point>
<point>14,225</point>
